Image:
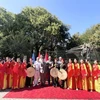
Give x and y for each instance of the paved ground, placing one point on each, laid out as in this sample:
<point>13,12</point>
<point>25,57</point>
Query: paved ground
<point>2,94</point>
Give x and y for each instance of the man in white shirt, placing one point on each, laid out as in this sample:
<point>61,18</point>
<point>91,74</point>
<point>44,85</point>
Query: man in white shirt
<point>42,69</point>
<point>37,66</point>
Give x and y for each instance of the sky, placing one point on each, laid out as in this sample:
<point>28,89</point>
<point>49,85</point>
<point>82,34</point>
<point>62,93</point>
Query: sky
<point>79,14</point>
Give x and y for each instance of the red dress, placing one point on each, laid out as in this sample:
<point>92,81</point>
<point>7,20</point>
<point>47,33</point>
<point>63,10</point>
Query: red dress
<point>23,67</point>
<point>2,71</point>
<point>22,77</point>
<point>83,78</point>
<point>12,63</point>
<point>77,74</point>
<point>16,74</point>
<point>95,71</point>
<point>71,71</point>
<point>8,71</point>
<point>89,76</point>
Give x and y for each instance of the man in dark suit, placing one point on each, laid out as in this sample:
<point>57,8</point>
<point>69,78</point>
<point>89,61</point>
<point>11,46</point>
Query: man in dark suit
<point>49,65</point>
<point>42,70</point>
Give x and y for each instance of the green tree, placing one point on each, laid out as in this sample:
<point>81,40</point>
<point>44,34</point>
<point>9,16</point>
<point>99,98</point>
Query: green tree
<point>91,35</point>
<point>95,39</point>
<point>75,40</point>
<point>32,28</point>
<point>85,37</point>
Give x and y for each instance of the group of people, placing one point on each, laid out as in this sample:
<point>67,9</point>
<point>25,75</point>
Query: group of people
<point>80,75</point>
<point>83,75</point>
<point>12,73</point>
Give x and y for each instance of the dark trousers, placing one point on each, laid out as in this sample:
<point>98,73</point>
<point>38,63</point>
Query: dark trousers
<point>55,81</point>
<point>28,81</point>
<point>64,84</point>
<point>42,78</point>
<point>49,78</point>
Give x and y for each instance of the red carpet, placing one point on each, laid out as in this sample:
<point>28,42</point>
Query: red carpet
<point>51,93</point>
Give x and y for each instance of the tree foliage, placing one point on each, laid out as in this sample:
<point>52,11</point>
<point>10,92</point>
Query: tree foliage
<point>31,29</point>
<point>75,40</point>
<point>91,36</point>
